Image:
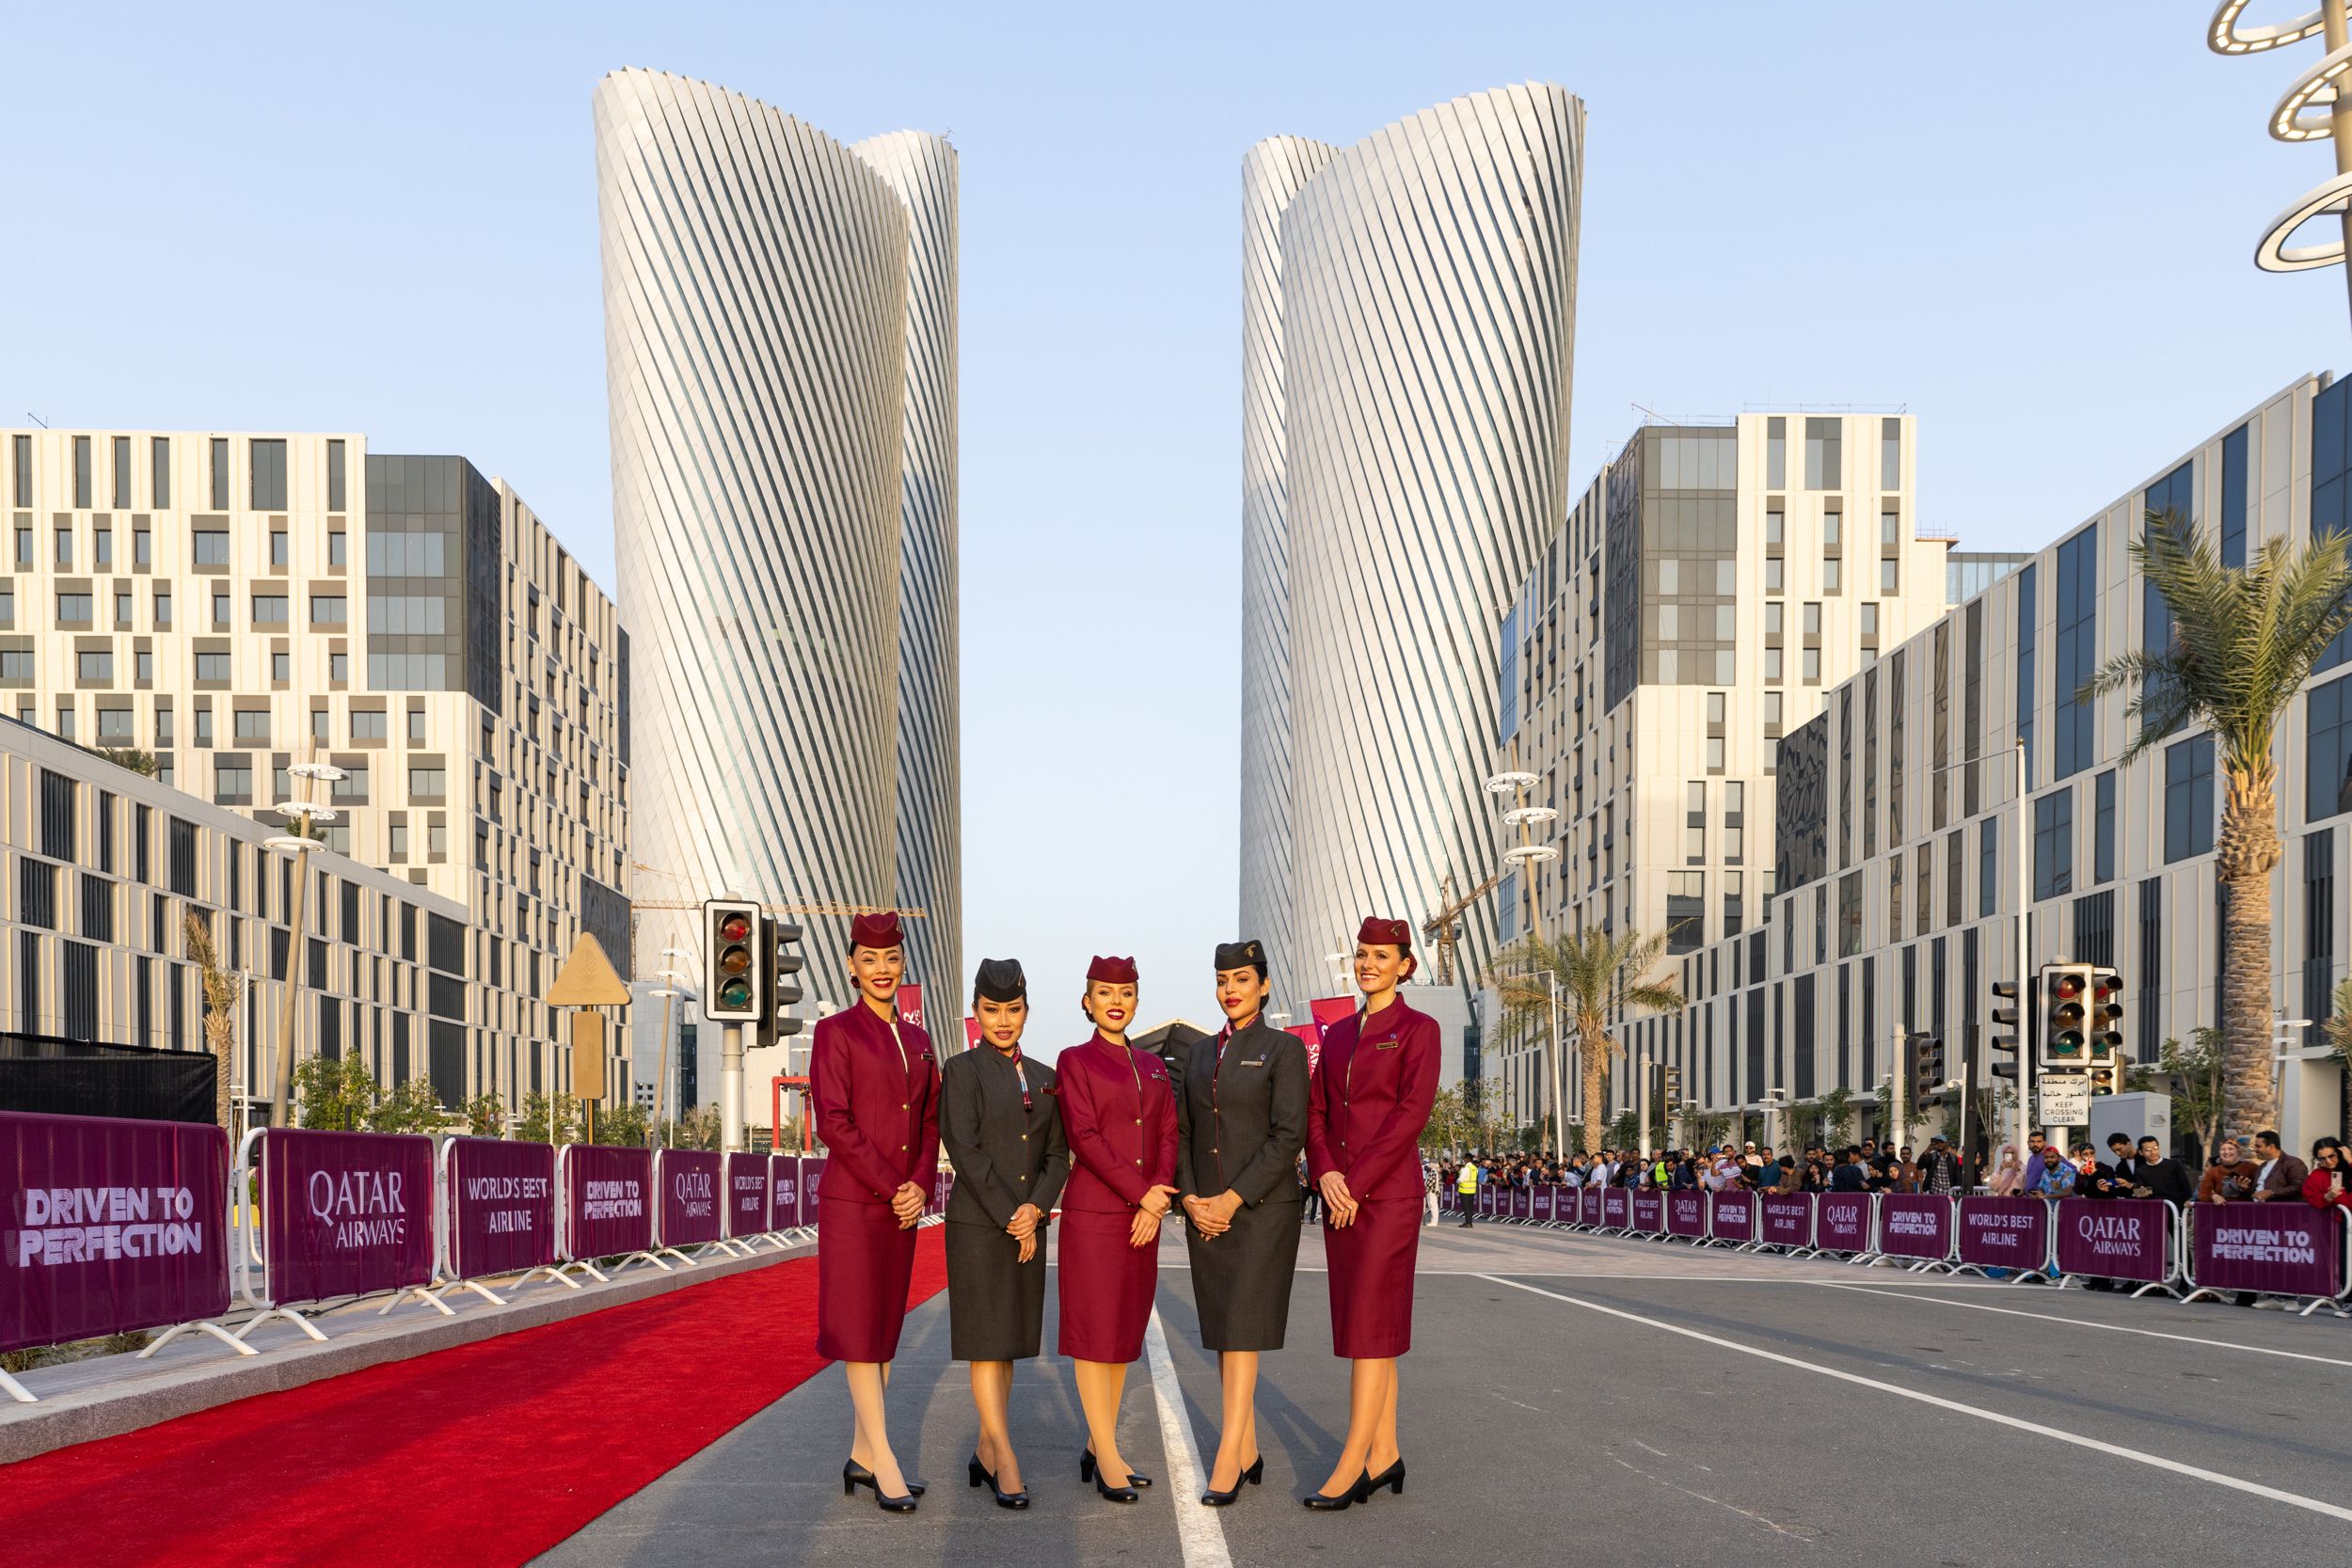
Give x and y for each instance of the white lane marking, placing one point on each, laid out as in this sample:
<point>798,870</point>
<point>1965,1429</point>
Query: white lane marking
<point>2085,1322</point>
<point>1199,1529</point>
<point>2155,1461</point>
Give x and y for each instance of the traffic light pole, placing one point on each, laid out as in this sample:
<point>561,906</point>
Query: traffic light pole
<point>731,1087</point>
<point>2025,1012</point>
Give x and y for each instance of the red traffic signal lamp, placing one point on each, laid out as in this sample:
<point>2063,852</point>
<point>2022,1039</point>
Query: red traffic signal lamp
<point>2106,1013</point>
<point>2065,997</point>
<point>733,976</point>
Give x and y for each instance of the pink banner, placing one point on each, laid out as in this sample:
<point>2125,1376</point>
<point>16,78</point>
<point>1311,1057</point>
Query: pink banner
<point>1649,1213</point>
<point>608,1200</point>
<point>501,1206</point>
<point>1686,1213</point>
<point>1914,1224</point>
<point>1616,1208</point>
<point>1731,1216</point>
<point>910,1004</point>
<point>2007,1232</point>
<point>1311,1038</point>
<point>1547,1204</point>
<point>688,1179</point>
<point>784,1190</point>
<point>2287,1248</point>
<point>1841,1222</point>
<point>1784,1219</point>
<point>2115,1238</point>
<point>1486,1199</point>
<point>344,1214</point>
<point>108,1225</point>
<point>1588,1206</point>
<point>1522,1204</point>
<point>748,1194</point>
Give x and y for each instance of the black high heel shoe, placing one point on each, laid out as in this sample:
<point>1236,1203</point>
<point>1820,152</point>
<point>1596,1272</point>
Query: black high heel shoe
<point>859,1474</point>
<point>1392,1478</point>
<point>1004,1499</point>
<point>854,1475</point>
<point>1086,1471</point>
<point>1322,1504</point>
<point>1213,1499</point>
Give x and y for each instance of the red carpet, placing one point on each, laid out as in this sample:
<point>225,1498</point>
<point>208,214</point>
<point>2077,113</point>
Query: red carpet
<point>488,1453</point>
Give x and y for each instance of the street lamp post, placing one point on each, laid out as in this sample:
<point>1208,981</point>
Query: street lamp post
<point>2317,107</point>
<point>306,816</point>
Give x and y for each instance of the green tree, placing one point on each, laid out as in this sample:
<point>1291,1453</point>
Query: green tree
<point>485,1115</point>
<point>1598,972</point>
<point>549,1118</point>
<point>220,990</point>
<point>335,1094</point>
<point>622,1125</point>
<point>2199,1075</point>
<point>2244,642</point>
<point>132,759</point>
<point>410,1107</point>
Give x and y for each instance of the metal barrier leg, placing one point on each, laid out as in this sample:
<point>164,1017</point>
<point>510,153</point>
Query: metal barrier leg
<point>17,1392</point>
<point>419,1292</point>
<point>288,1313</point>
<point>207,1326</point>
<point>555,1275</point>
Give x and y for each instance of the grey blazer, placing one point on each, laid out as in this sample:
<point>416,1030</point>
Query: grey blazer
<point>1241,1117</point>
<point>1004,1156</point>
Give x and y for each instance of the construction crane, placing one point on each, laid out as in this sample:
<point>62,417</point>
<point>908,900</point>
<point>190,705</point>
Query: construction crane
<point>1444,929</point>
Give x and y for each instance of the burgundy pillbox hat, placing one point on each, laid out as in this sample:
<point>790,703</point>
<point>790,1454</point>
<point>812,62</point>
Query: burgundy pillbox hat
<point>879,930</point>
<point>1396,933</point>
<point>1113,972</point>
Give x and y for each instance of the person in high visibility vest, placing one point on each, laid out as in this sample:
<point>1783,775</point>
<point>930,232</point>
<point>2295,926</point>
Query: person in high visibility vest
<point>1466,1190</point>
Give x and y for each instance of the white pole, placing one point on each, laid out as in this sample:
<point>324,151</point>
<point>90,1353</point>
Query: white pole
<point>2025,1022</point>
<point>731,1087</point>
<point>1559,1105</point>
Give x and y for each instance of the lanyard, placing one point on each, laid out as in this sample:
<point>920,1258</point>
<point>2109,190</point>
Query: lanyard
<point>1020,1076</point>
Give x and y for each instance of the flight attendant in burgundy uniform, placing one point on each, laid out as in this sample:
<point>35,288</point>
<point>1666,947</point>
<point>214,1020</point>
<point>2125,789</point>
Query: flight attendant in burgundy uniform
<point>874,1085</point>
<point>1370,1098</point>
<point>1119,1113</point>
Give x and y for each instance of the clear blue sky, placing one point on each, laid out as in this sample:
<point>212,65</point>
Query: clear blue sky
<point>384,219</point>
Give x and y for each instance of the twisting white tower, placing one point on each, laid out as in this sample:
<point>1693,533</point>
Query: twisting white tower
<point>1427,289</point>
<point>780,345</point>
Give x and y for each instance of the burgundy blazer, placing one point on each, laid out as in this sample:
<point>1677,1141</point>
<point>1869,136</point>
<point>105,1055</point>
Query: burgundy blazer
<point>879,1117</point>
<point>1119,1112</point>
<point>1370,1099</point>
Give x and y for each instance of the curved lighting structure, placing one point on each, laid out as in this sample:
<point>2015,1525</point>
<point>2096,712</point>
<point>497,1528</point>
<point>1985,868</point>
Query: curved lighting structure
<point>780,424</point>
<point>2312,109</point>
<point>1427,296</point>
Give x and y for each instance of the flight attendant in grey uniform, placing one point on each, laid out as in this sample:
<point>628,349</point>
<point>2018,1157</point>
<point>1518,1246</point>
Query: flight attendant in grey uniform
<point>1001,1125</point>
<point>1241,1117</point>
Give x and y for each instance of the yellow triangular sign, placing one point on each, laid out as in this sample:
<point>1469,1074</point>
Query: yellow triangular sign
<point>587,978</point>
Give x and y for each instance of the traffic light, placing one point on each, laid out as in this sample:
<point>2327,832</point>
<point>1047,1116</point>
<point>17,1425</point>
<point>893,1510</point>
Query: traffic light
<point>1907,1067</point>
<point>777,938</point>
<point>2065,1015</point>
<point>2010,1016</point>
<point>2107,1077</point>
<point>732,973</point>
<point>1673,1086</point>
<point>1928,1070</point>
<point>2106,1013</point>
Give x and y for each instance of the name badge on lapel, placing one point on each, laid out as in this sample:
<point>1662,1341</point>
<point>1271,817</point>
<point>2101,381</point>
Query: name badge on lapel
<point>1388,1045</point>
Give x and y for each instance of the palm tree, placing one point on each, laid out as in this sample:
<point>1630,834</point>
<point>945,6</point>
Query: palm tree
<point>2244,642</point>
<point>1595,971</point>
<point>220,989</point>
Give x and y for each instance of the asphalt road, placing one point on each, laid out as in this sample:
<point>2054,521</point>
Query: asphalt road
<point>1613,1402</point>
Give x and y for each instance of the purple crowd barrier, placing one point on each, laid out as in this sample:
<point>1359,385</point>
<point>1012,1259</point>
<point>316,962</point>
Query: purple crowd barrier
<point>2004,1233</point>
<point>688,1181</point>
<point>1731,1217</point>
<point>1686,1214</point>
<point>608,1204</point>
<point>2117,1238</point>
<point>1841,1223</point>
<point>1547,1202</point>
<point>784,1191</point>
<point>2287,1248</point>
<point>1616,1208</point>
<point>1489,1197</point>
<point>1916,1225</point>
<point>1649,1213</point>
<point>109,1226</point>
<point>1522,1203</point>
<point>502,1207</point>
<point>750,1203</point>
<point>344,1215</point>
<point>1785,1220</point>
<point>1588,1207</point>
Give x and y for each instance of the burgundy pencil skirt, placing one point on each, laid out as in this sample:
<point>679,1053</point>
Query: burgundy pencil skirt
<point>864,1265</point>
<point>1106,1286</point>
<point>1371,1277</point>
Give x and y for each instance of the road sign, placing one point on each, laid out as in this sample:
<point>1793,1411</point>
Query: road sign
<point>2065,1099</point>
<point>587,979</point>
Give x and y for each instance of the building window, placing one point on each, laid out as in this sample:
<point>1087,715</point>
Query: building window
<point>338,549</point>
<point>335,476</point>
<point>253,725</point>
<point>1775,578</point>
<point>2328,758</point>
<point>233,780</point>
<point>1849,914</point>
<point>1811,663</point>
<point>2233,498</point>
<point>212,667</point>
<point>22,464</point>
<point>220,473</point>
<point>1735,822</point>
<point>1890,576</point>
<point>400,841</point>
<point>338,669</point>
<point>1775,455</point>
<point>268,462</point>
<point>25,548</point>
<point>329,609</point>
<point>163,608</point>
<point>370,724</point>
<point>318,726</point>
<point>1890,455</point>
<point>2102,827</point>
<point>1735,906</point>
<point>2054,843</point>
<point>1694,823</point>
<point>1988,866</point>
<point>203,726</point>
<point>1823,469</point>
<point>1831,582</point>
<point>211,547</point>
<point>159,473</point>
<point>113,726</point>
<point>96,664</point>
<point>269,609</point>
<point>82,499</point>
<point>65,548</point>
<point>278,548</point>
<point>416,727</point>
<point>1686,910</point>
<point>2188,797</point>
<point>281,667</point>
<point>2077,651</point>
<point>143,664</point>
<point>74,610</point>
<point>123,614</point>
<point>220,611</point>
